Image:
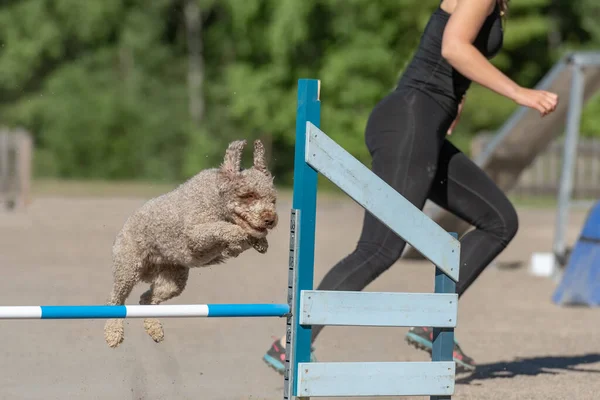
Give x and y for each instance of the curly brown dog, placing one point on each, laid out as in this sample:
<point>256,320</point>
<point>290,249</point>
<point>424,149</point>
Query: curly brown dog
<point>215,215</point>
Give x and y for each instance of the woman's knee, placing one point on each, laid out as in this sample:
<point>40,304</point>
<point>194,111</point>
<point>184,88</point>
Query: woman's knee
<point>505,225</point>
<point>512,224</point>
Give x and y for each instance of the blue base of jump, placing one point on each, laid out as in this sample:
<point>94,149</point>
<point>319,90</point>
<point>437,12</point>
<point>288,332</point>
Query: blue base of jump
<point>145,311</point>
<point>580,284</point>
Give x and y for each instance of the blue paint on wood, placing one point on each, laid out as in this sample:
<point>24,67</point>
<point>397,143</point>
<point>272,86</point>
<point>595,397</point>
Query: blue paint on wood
<point>580,283</point>
<point>247,310</point>
<point>319,307</point>
<point>304,200</point>
<point>383,201</point>
<point>83,312</point>
<point>443,338</point>
<point>351,379</point>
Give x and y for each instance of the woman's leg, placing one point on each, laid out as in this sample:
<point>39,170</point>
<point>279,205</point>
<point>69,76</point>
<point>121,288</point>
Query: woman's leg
<point>466,191</point>
<point>402,135</point>
<point>463,189</point>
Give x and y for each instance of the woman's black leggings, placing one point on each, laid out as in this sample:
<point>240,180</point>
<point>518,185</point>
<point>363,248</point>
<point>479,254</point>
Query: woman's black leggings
<point>406,136</point>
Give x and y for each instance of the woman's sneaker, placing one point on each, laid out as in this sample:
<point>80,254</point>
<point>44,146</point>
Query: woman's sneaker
<point>422,338</point>
<point>275,356</point>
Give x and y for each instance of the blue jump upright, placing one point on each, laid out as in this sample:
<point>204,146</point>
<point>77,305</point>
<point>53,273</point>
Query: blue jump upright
<point>580,283</point>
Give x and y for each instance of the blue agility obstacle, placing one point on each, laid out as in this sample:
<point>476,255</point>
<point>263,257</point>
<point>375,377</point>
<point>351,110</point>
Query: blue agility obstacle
<point>580,282</point>
<point>316,153</point>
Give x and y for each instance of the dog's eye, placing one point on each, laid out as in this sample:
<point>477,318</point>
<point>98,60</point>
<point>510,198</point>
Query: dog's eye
<point>249,196</point>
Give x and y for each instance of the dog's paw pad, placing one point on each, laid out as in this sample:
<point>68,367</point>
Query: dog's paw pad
<point>261,249</point>
<point>154,328</point>
<point>114,333</point>
<point>261,246</point>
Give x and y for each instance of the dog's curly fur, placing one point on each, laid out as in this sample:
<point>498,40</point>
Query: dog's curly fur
<point>215,215</point>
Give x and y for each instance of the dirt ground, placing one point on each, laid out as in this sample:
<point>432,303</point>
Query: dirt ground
<point>58,252</point>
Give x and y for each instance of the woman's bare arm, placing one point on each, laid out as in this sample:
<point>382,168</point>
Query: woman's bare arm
<point>458,49</point>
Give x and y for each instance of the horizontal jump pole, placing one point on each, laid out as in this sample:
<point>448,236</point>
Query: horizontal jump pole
<point>144,311</point>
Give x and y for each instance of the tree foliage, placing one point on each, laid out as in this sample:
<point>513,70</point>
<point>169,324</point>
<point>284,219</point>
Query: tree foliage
<point>105,86</point>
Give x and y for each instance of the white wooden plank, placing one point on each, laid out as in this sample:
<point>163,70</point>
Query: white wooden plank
<point>338,379</point>
<point>385,203</point>
<point>319,307</point>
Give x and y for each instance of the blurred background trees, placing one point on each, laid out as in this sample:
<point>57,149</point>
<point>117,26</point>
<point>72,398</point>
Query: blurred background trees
<point>154,90</point>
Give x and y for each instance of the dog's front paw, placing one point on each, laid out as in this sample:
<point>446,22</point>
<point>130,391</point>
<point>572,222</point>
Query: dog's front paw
<point>261,245</point>
<point>233,250</point>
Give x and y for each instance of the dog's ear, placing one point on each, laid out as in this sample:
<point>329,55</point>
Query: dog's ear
<point>260,161</point>
<point>232,162</point>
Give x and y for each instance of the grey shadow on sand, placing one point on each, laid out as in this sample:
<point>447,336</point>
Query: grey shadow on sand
<point>533,366</point>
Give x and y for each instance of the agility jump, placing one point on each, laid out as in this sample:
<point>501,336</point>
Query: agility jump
<point>316,153</point>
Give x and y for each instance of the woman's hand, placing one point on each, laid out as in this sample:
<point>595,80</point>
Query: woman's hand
<point>457,119</point>
<point>457,48</point>
<point>541,100</point>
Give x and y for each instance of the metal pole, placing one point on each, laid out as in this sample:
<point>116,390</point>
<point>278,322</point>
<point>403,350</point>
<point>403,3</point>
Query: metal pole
<point>4,151</point>
<point>24,148</point>
<point>568,166</point>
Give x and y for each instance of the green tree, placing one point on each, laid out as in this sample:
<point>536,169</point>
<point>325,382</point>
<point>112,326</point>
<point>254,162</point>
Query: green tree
<point>131,89</point>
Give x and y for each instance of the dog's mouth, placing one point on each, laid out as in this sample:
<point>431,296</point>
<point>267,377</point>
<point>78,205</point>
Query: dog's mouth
<point>250,227</point>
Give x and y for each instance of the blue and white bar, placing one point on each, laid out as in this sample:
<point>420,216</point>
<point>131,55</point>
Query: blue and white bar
<point>145,311</point>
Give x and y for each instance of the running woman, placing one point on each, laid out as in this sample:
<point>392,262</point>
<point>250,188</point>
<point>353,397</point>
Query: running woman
<point>406,135</point>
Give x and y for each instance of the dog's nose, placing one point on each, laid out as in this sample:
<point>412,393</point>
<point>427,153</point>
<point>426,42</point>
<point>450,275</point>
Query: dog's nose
<point>269,220</point>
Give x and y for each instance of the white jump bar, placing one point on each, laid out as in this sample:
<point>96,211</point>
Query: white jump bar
<point>319,307</point>
<point>337,379</point>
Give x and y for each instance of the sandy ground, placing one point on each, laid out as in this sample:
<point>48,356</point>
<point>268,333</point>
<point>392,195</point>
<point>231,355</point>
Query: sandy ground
<point>58,252</point>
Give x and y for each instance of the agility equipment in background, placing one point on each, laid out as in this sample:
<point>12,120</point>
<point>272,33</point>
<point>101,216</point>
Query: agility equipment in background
<point>580,283</point>
<point>15,168</point>
<point>576,79</point>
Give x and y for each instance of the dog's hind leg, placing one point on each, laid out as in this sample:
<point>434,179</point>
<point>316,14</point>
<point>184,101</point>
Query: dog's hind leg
<point>124,281</point>
<point>169,282</point>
